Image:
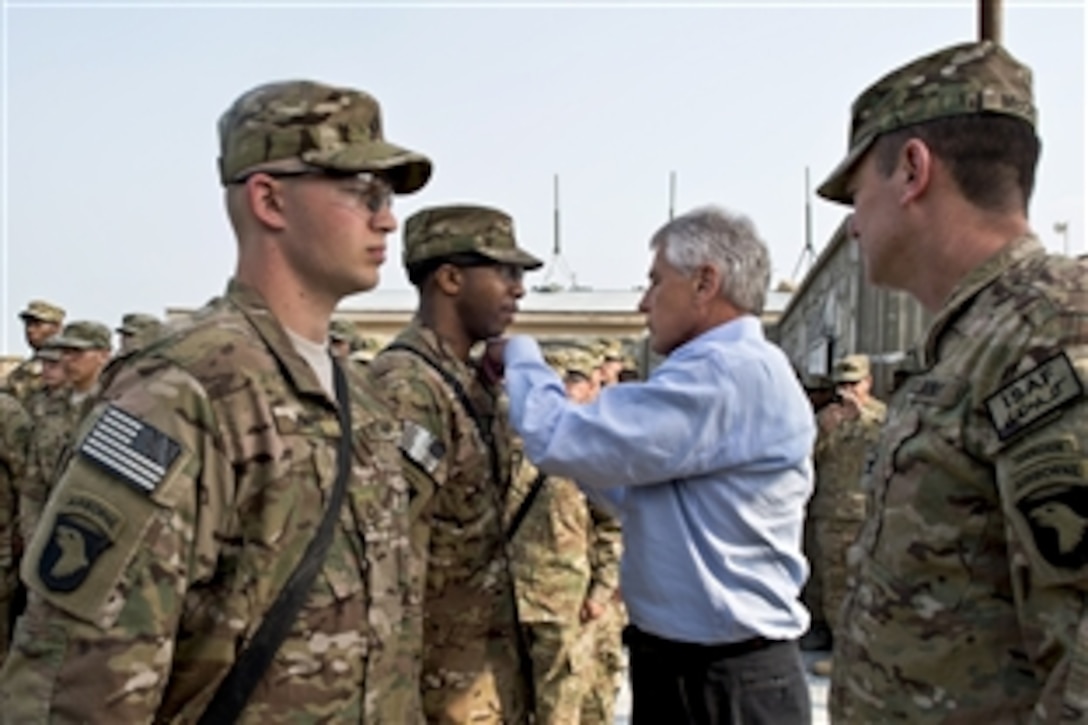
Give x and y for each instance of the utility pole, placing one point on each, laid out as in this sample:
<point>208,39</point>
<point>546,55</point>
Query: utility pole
<point>989,20</point>
<point>672,194</point>
<point>808,254</point>
<point>1063,229</point>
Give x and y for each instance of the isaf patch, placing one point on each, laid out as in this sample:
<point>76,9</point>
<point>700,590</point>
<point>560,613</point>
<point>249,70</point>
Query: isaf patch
<point>1046,388</point>
<point>134,451</point>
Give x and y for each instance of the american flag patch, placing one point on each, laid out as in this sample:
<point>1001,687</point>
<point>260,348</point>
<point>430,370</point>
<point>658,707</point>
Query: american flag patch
<point>137,452</point>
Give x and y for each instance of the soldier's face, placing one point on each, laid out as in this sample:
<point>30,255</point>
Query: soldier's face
<point>669,305</point>
<point>53,375</point>
<point>336,240</point>
<point>875,224</point>
<point>81,367</point>
<point>488,299</point>
<point>38,331</point>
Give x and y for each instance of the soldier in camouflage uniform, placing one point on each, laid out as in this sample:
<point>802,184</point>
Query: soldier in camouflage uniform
<point>967,593</point>
<point>52,396</point>
<point>468,269</point>
<point>137,329</point>
<point>85,350</point>
<point>197,483</point>
<point>565,556</point>
<point>846,431</point>
<point>41,320</point>
<point>14,439</point>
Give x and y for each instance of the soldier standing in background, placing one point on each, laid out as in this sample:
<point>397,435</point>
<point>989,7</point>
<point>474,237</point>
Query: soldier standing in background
<point>52,396</point>
<point>234,456</point>
<point>343,338</point>
<point>968,591</point>
<point>847,429</point>
<point>136,330</point>
<point>466,264</point>
<point>41,320</point>
<point>565,554</point>
<point>15,428</point>
<point>85,350</point>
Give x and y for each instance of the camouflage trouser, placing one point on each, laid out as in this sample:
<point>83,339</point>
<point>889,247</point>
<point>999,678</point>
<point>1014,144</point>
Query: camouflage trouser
<point>609,664</point>
<point>9,581</point>
<point>834,537</point>
<point>561,656</point>
<point>813,592</point>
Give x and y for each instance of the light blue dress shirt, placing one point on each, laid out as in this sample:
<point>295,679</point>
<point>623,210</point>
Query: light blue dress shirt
<point>708,464</point>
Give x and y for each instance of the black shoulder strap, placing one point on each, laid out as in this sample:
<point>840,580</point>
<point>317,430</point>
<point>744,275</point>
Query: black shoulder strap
<point>237,687</point>
<point>525,505</point>
<point>489,440</point>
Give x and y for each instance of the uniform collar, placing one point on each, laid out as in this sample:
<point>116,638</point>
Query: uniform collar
<point>977,280</point>
<point>253,307</point>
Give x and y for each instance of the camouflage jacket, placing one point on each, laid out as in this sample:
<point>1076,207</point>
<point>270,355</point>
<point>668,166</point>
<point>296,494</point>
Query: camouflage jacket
<point>470,664</point>
<point>192,491</point>
<point>14,440</point>
<point>839,457</point>
<point>567,550</point>
<point>23,380</point>
<point>49,441</point>
<point>47,401</point>
<point>970,575</point>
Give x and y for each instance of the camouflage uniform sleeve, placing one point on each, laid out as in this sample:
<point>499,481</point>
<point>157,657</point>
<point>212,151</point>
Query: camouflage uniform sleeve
<point>15,430</point>
<point>1040,422</point>
<point>32,486</point>
<point>128,531</point>
<point>414,398</point>
<point>605,547</point>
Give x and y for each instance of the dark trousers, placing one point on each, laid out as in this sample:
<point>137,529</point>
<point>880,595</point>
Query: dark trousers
<point>753,682</point>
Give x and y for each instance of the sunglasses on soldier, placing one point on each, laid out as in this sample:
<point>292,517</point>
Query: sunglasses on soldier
<point>369,189</point>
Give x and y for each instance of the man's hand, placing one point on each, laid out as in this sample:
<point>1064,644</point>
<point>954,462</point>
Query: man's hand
<point>591,610</point>
<point>492,364</point>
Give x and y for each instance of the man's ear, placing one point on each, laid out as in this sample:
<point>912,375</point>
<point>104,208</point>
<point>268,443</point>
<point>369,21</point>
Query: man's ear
<point>916,166</point>
<point>449,279</point>
<point>708,280</point>
<point>264,195</point>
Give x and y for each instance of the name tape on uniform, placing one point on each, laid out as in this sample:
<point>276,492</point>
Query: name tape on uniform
<point>137,452</point>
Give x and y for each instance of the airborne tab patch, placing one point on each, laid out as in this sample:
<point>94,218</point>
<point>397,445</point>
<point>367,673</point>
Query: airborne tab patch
<point>1047,387</point>
<point>136,452</point>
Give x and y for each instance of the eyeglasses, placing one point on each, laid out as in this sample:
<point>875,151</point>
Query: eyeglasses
<point>510,273</point>
<point>371,190</point>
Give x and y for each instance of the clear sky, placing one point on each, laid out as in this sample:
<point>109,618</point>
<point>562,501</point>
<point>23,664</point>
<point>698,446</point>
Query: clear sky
<point>110,198</point>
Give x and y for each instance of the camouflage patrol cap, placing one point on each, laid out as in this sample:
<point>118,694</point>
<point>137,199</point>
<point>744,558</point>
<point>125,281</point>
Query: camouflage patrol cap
<point>49,350</point>
<point>137,323</point>
<point>565,360</point>
<point>329,128</point>
<point>83,335</point>
<point>979,77</point>
<point>444,231</point>
<point>851,369</point>
<point>43,311</point>
<point>342,330</point>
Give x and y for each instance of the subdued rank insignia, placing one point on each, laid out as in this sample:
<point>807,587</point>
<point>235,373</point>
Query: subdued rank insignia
<point>1059,523</point>
<point>1044,389</point>
<point>74,546</point>
<point>420,445</point>
<point>137,452</point>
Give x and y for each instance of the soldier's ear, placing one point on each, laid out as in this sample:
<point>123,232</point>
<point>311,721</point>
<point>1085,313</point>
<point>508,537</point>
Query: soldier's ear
<point>449,279</point>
